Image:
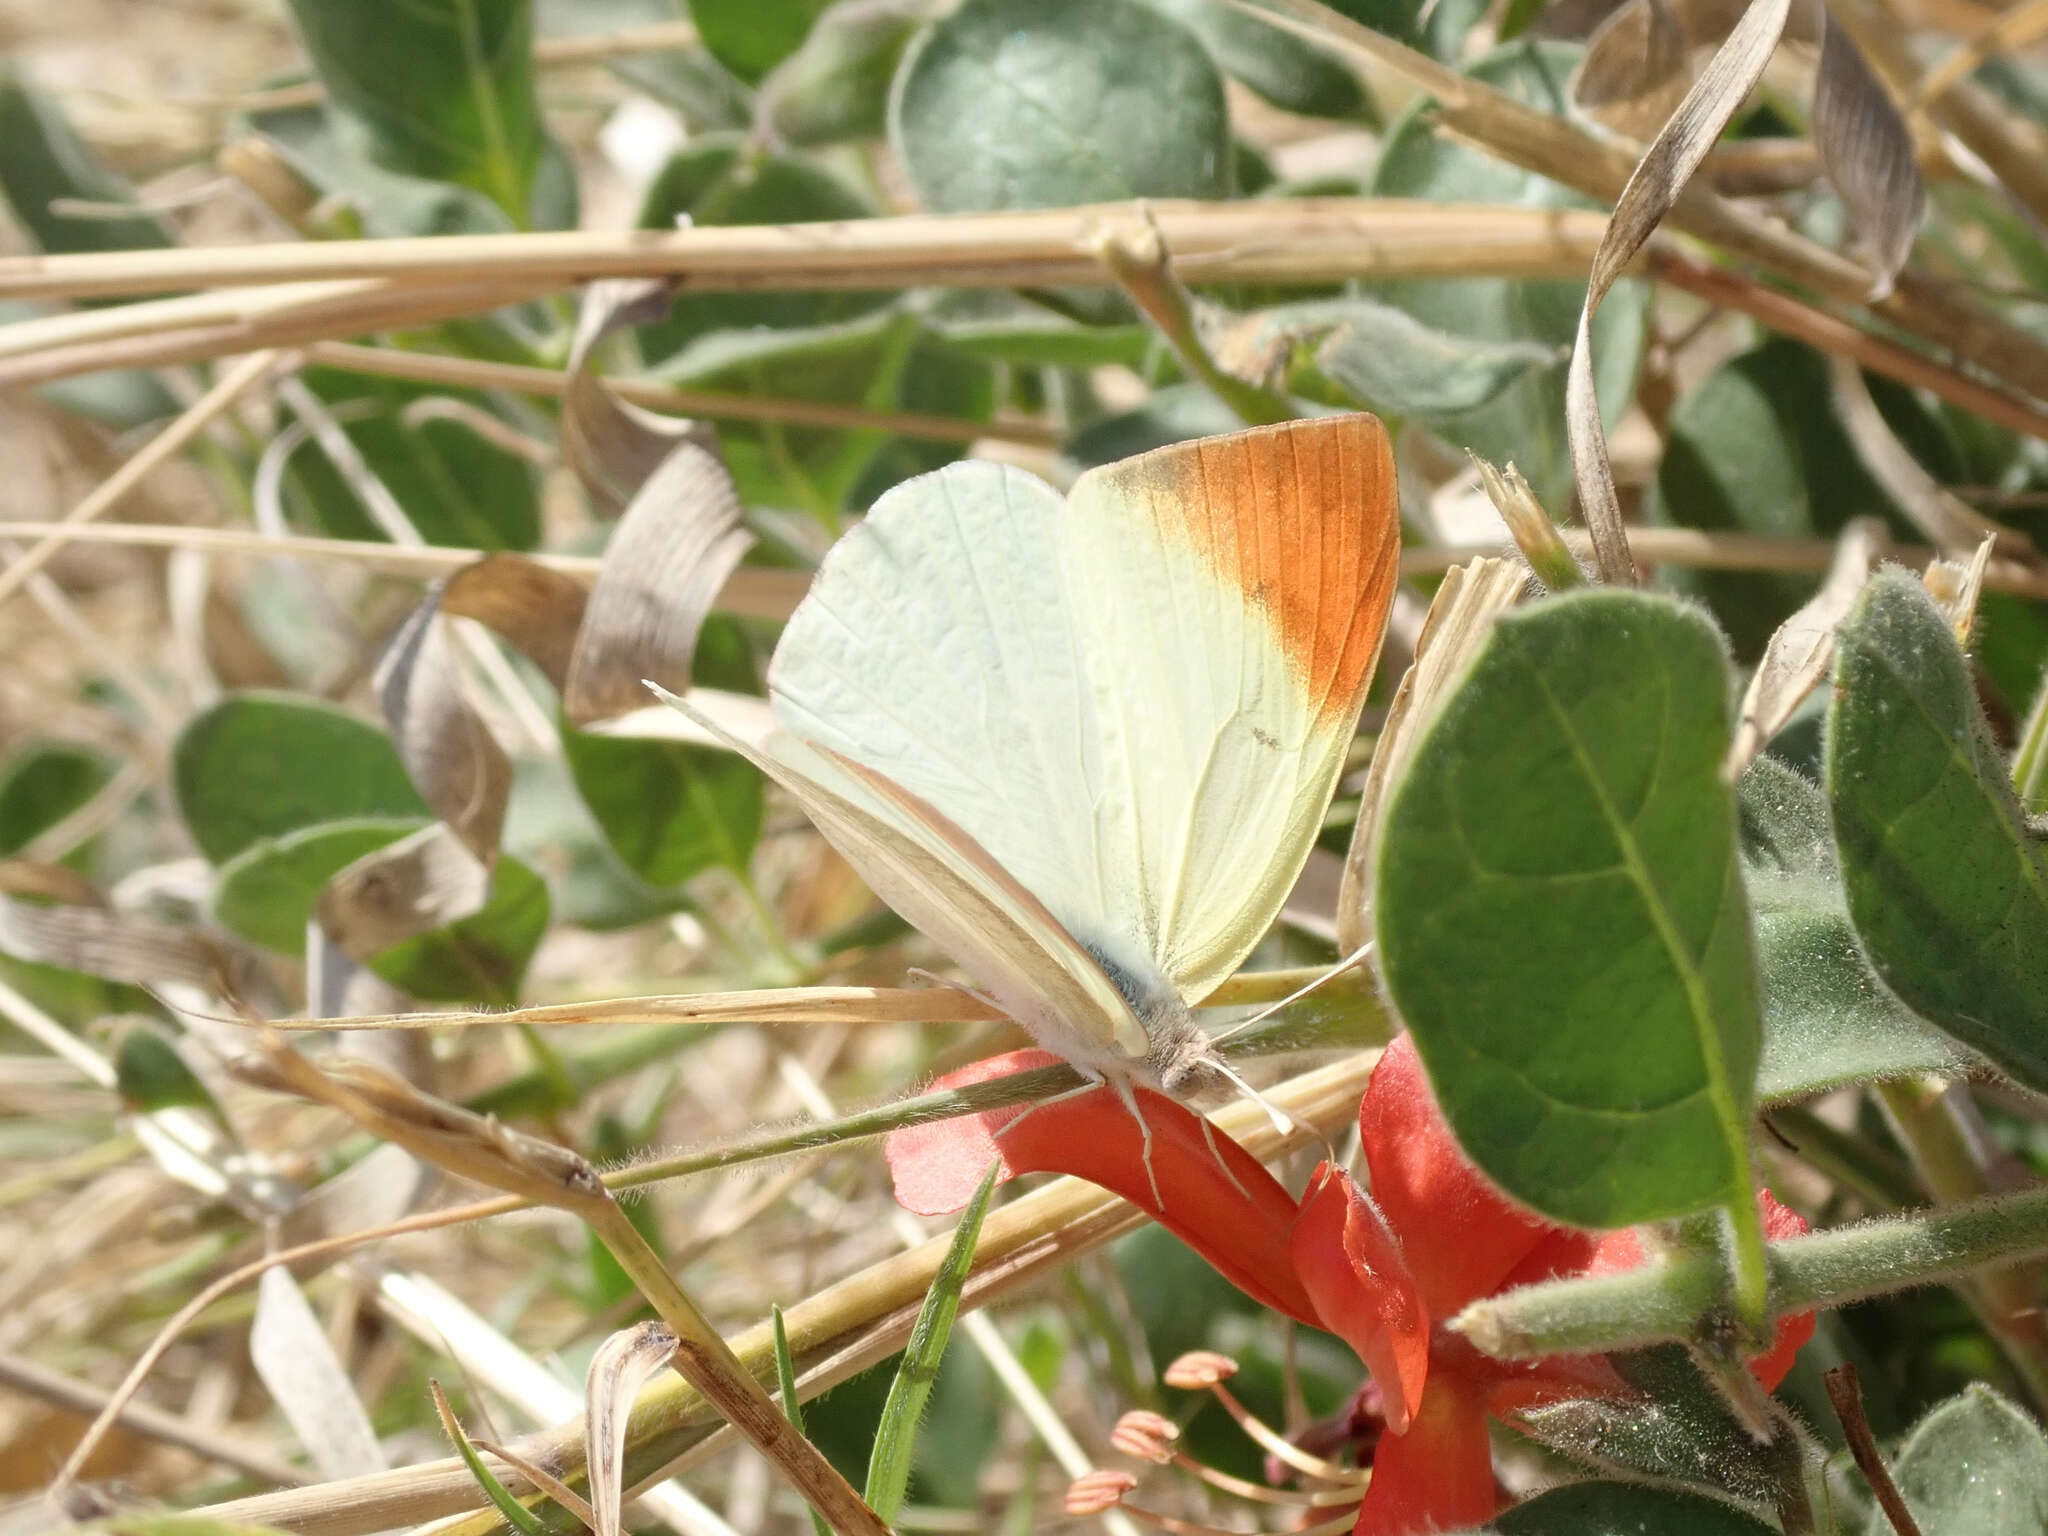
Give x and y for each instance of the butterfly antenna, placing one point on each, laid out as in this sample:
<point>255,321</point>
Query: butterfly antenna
<point>1297,994</point>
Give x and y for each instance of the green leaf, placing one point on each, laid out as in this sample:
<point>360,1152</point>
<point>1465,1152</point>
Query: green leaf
<point>689,79</point>
<point>548,825</point>
<point>375,200</point>
<point>440,89</point>
<point>1975,1466</point>
<point>1687,1435</point>
<point>883,361</point>
<point>263,764</point>
<point>836,86</point>
<point>1827,1020</point>
<point>1170,415</point>
<point>1525,422</point>
<point>482,959</point>
<point>1390,362</point>
<point>42,160</point>
<point>149,1074</point>
<point>1625,1509</point>
<point>1561,918</point>
<point>896,1433</point>
<point>750,37</point>
<point>1281,66</point>
<point>669,809</point>
<point>1755,447</point>
<point>724,178</point>
<point>455,485</point>
<point>1049,103</point>
<point>267,892</point>
<point>42,784</point>
<point>1946,883</point>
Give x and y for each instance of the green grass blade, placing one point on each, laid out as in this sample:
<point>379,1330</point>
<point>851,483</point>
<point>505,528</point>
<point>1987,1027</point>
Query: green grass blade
<point>792,1405</point>
<point>896,1434</point>
<point>517,1515</point>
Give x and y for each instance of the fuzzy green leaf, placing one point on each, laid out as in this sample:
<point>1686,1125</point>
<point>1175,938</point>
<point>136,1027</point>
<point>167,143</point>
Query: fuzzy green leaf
<point>1561,917</point>
<point>1947,886</point>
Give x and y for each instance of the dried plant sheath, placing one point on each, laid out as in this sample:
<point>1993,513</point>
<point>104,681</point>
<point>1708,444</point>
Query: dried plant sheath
<point>1802,649</point>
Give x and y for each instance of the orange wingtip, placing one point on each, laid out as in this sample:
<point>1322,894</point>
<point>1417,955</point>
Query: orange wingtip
<point>1305,519</point>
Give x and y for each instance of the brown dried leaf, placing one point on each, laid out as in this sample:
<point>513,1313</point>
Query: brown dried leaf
<point>401,890</point>
<point>612,444</point>
<point>454,761</point>
<point>622,1365</point>
<point>668,559</point>
<point>1868,151</point>
<point>1652,191</point>
<point>1636,67</point>
<point>1800,653</point>
<point>535,608</point>
<point>1460,617</point>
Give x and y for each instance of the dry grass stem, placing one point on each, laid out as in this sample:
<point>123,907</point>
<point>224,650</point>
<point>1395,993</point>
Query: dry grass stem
<point>159,450</point>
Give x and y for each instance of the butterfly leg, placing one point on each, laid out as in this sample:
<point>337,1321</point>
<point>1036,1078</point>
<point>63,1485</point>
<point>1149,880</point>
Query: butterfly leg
<point>1230,1173</point>
<point>1129,1095</point>
<point>932,978</point>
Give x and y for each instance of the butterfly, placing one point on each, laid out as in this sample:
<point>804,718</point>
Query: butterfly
<point>1085,743</point>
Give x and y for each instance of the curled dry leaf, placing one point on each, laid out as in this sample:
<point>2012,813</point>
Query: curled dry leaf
<point>1652,191</point>
<point>612,444</point>
<point>1803,648</point>
<point>291,1354</point>
<point>54,917</point>
<point>1459,618</point>
<point>622,1365</point>
<point>667,561</point>
<point>1868,151</point>
<point>452,758</point>
<point>1950,524</point>
<point>401,890</point>
<point>534,607</point>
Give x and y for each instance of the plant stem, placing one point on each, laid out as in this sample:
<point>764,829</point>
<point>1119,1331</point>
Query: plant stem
<point>1137,257</point>
<point>1846,1393</point>
<point>1929,1123</point>
<point>1664,1301</point>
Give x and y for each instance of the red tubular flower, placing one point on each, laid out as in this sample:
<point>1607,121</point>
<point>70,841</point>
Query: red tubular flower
<point>1384,1271</point>
<point>1394,1266</point>
<point>1212,1194</point>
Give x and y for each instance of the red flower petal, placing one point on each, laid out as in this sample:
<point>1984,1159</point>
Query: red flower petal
<point>1212,1193</point>
<point>1460,1235</point>
<point>1439,1475</point>
<point>1624,1249</point>
<point>1351,1266</point>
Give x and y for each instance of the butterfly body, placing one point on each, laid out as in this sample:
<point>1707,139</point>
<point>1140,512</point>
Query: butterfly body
<point>1086,743</point>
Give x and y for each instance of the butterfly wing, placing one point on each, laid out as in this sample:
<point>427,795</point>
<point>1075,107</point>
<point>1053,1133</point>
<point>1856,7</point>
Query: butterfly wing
<point>947,886</point>
<point>1231,594</point>
<point>937,653</point>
